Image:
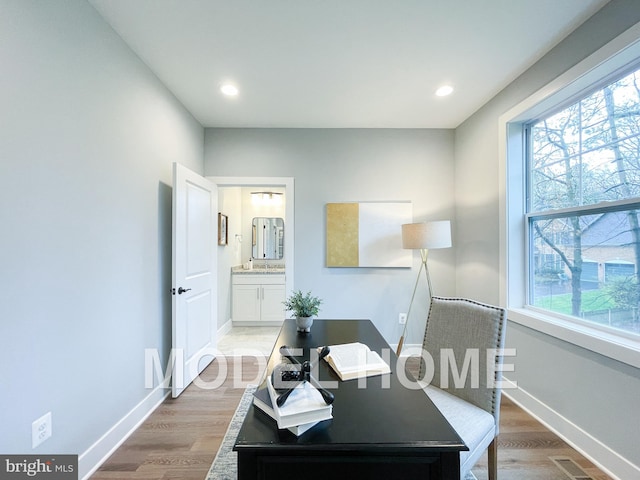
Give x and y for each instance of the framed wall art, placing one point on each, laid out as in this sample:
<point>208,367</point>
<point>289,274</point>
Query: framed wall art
<point>223,236</point>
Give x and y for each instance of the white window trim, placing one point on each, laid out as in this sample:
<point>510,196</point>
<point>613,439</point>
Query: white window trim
<point>613,57</point>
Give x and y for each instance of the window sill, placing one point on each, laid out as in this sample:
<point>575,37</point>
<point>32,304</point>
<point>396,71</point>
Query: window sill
<point>616,347</point>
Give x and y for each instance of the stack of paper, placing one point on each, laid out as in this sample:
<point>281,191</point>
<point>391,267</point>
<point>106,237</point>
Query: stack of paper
<point>304,408</point>
<point>355,360</point>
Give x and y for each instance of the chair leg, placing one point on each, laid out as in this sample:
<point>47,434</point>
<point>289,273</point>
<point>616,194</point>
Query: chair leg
<point>492,452</point>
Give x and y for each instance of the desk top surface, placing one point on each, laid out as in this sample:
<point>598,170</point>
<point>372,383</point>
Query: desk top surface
<point>384,416</point>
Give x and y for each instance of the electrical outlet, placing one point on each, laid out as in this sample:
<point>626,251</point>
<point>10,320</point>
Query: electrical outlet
<point>402,318</point>
<point>40,430</point>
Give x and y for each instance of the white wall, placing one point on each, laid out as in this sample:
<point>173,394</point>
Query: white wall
<point>576,389</point>
<point>87,139</point>
<point>342,166</point>
<point>230,204</point>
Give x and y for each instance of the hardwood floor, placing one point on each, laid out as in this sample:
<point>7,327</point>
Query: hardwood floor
<point>180,439</point>
<point>525,447</point>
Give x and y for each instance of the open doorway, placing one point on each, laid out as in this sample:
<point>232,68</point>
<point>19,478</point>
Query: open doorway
<point>236,250</point>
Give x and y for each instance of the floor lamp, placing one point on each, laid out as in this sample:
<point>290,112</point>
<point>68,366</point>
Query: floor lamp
<point>423,236</point>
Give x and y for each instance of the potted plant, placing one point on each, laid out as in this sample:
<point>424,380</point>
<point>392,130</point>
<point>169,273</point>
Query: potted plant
<point>304,307</point>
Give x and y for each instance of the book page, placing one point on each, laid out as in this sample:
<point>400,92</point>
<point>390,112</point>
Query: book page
<point>355,357</point>
<point>350,356</point>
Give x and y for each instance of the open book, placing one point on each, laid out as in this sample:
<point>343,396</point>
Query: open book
<point>355,360</point>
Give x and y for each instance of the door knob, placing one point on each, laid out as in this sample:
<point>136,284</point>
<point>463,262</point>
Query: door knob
<point>182,290</point>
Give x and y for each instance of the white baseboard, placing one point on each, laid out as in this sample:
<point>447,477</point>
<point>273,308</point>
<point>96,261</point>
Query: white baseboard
<point>96,454</point>
<point>609,461</point>
<point>224,329</point>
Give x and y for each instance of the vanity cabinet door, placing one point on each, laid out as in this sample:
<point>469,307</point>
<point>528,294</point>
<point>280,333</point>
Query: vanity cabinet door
<point>272,307</point>
<point>257,299</point>
<point>246,303</point>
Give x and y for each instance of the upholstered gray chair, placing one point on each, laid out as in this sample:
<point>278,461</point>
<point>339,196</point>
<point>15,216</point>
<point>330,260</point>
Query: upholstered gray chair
<point>468,332</point>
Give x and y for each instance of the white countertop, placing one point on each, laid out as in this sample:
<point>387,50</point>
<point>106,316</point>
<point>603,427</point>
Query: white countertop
<point>258,270</point>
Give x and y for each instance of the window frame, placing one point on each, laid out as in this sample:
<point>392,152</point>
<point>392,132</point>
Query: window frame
<point>603,66</point>
<point>602,207</point>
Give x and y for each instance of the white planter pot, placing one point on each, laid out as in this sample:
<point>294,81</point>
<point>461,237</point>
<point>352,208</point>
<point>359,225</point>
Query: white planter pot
<point>304,324</point>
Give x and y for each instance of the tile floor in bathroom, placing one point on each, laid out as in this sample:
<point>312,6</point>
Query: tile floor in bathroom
<point>248,341</point>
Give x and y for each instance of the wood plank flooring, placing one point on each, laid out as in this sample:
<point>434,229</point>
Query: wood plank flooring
<point>525,447</point>
<point>180,439</point>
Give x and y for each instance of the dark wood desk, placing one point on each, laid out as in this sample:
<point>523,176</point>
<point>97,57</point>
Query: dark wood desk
<point>375,433</point>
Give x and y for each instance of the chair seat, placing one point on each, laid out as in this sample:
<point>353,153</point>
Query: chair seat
<point>474,425</point>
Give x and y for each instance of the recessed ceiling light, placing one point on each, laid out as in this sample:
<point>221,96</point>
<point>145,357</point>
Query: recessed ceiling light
<point>229,90</point>
<point>444,90</point>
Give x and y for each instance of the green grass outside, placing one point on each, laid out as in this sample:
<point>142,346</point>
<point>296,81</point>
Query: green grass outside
<point>592,300</point>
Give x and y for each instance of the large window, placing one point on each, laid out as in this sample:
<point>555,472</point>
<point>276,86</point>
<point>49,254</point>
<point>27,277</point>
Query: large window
<point>583,207</point>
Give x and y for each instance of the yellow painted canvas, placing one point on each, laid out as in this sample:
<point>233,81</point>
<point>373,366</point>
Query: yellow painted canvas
<point>342,235</point>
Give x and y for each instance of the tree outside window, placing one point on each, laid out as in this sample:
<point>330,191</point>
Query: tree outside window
<point>583,206</point>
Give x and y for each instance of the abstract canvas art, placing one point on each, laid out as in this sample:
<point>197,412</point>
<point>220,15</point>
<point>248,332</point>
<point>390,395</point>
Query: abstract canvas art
<point>367,234</point>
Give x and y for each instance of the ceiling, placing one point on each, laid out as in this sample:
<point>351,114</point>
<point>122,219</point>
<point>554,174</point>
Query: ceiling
<point>340,63</point>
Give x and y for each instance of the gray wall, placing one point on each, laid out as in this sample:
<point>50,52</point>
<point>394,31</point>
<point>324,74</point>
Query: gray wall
<point>577,383</point>
<point>342,166</point>
<point>87,139</point>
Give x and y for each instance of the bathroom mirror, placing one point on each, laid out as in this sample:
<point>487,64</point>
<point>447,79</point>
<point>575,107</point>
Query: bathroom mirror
<point>267,238</point>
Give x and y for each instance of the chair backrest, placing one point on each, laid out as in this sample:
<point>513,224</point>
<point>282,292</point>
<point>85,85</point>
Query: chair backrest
<point>464,338</point>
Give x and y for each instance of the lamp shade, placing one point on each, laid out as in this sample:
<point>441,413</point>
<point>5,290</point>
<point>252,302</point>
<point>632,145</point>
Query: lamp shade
<point>426,235</point>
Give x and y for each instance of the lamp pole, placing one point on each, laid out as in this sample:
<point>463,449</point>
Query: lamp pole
<point>423,236</point>
<point>424,252</point>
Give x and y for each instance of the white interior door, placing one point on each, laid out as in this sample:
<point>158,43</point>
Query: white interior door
<point>194,291</point>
